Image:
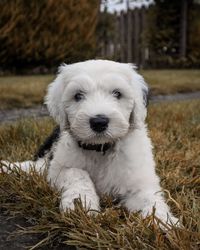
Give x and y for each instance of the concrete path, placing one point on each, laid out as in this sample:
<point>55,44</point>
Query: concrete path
<point>175,97</point>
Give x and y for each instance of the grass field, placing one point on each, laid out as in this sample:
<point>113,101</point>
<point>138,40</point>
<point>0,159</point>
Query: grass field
<point>172,81</point>
<point>23,91</point>
<point>28,91</point>
<point>175,131</point>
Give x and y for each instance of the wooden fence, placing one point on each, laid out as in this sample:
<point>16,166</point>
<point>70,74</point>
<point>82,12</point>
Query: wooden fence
<point>127,43</point>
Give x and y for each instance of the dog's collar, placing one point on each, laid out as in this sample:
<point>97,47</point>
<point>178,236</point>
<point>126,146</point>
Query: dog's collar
<point>97,147</point>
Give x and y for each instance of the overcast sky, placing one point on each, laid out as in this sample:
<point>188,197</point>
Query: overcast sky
<point>119,5</point>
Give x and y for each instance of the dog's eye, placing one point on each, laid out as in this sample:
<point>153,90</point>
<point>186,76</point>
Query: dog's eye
<point>117,94</point>
<point>78,96</point>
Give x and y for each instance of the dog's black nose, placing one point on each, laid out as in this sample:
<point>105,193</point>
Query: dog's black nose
<point>99,123</point>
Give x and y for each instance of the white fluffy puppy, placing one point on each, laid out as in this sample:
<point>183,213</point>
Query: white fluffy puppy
<point>102,145</point>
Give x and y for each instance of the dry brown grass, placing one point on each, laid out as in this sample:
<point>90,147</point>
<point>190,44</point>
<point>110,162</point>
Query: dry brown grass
<point>172,81</point>
<point>175,130</point>
<point>22,91</point>
<point>28,91</point>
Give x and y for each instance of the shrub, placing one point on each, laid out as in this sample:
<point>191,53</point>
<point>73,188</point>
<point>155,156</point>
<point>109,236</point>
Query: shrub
<point>46,32</point>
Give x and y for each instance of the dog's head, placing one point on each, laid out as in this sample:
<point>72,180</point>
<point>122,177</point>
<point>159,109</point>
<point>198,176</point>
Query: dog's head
<point>99,101</point>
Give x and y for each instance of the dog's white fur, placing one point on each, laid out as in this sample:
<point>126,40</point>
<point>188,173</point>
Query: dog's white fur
<point>128,169</point>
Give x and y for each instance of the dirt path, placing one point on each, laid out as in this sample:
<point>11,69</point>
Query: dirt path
<point>10,240</point>
<point>15,114</point>
<point>40,111</point>
<point>175,97</point>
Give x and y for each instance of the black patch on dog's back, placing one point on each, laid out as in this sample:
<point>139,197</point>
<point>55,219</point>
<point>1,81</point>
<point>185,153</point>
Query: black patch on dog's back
<point>47,145</point>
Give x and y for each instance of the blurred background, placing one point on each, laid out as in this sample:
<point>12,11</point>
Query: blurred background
<point>161,37</point>
<point>36,36</point>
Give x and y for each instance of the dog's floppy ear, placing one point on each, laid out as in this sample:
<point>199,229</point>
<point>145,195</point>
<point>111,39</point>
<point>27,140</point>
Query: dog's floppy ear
<point>145,92</point>
<point>141,99</point>
<point>53,98</point>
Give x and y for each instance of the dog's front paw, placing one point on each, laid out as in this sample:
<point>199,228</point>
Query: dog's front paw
<point>168,219</point>
<point>89,203</point>
<point>164,216</point>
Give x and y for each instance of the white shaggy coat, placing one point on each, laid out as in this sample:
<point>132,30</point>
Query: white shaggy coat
<point>127,169</point>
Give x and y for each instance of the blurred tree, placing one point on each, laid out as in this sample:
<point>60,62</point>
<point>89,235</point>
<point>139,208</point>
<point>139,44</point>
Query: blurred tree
<point>193,42</point>
<point>164,28</point>
<point>173,32</point>
<point>46,32</point>
<point>105,30</point>
<point>183,28</point>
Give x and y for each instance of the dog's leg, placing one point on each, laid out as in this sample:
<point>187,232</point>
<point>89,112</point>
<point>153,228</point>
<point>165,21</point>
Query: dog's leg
<point>145,201</point>
<point>75,183</point>
<point>140,185</point>
<point>26,166</point>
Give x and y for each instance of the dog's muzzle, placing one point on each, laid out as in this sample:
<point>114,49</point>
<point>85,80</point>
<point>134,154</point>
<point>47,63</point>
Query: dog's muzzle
<point>99,123</point>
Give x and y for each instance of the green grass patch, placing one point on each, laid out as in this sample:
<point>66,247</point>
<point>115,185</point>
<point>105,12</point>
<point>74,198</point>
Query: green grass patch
<point>175,131</point>
<point>28,91</point>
